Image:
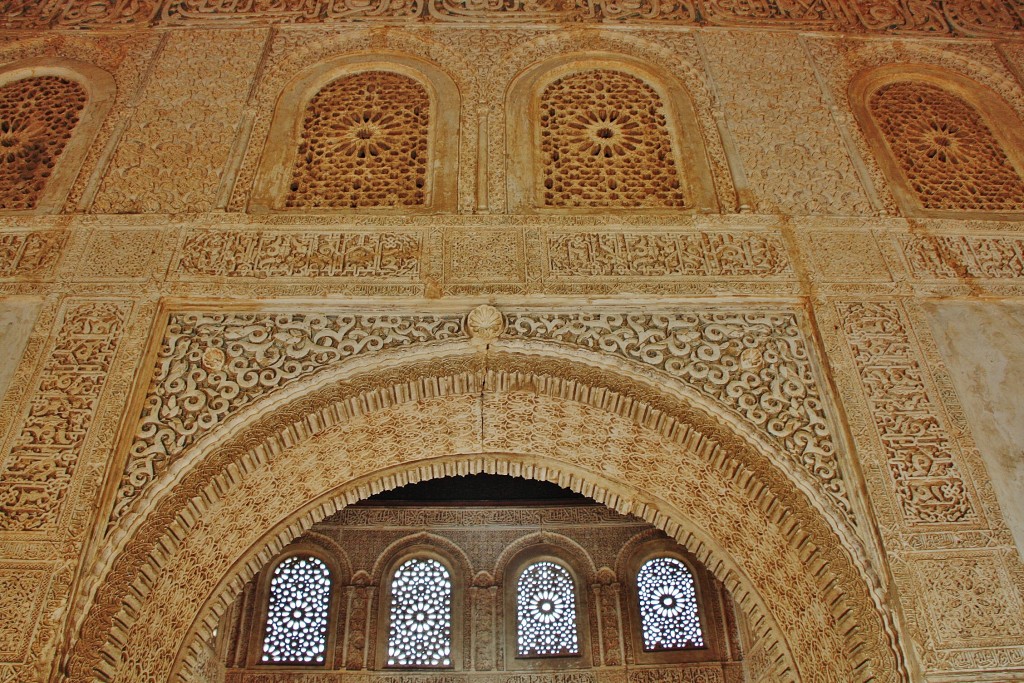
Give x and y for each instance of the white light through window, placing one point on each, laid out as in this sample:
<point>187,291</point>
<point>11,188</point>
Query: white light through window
<point>668,605</point>
<point>300,593</point>
<point>546,608</point>
<point>421,615</point>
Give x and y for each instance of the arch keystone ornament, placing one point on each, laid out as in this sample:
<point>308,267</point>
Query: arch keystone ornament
<point>312,411</point>
<point>485,323</point>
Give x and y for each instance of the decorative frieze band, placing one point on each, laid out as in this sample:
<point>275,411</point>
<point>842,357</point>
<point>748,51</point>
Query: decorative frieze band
<point>693,673</point>
<point>584,255</point>
<point>929,17</point>
<point>38,471</point>
<point>755,364</point>
<point>275,254</point>
<point>920,454</point>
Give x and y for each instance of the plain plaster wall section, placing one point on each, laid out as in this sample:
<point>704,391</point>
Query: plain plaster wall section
<point>983,344</point>
<point>16,320</point>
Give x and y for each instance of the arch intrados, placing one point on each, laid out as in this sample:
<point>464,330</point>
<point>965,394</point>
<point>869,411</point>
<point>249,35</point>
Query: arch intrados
<point>290,105</point>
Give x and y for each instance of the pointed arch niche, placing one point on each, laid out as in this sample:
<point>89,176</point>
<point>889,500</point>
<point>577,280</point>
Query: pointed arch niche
<point>362,132</point>
<point>608,429</point>
<point>949,146</point>
<point>50,113</point>
<point>603,132</point>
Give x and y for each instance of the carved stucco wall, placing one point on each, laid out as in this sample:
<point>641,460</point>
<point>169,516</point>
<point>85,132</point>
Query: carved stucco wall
<point>839,388</point>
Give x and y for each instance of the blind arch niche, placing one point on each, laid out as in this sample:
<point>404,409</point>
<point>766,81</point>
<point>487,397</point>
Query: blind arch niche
<point>366,132</point>
<point>604,133</point>
<point>948,146</point>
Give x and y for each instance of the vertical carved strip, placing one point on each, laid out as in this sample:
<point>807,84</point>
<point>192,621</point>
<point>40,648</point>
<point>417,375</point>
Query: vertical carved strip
<point>609,607</point>
<point>483,597</point>
<point>482,189</point>
<point>38,472</point>
<point>358,621</point>
<point>920,454</point>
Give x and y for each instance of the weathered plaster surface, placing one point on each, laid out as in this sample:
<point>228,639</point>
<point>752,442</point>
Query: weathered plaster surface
<point>983,344</point>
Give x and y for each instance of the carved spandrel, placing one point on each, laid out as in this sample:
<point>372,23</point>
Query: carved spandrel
<point>211,365</point>
<point>755,364</point>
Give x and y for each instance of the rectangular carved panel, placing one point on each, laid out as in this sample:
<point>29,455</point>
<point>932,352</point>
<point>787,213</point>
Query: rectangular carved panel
<point>22,588</point>
<point>921,457</point>
<point>791,169</point>
<point>578,255</point>
<point>945,257</point>
<point>307,254</point>
<point>172,156</point>
<point>39,469</point>
<point>30,254</point>
<point>970,597</point>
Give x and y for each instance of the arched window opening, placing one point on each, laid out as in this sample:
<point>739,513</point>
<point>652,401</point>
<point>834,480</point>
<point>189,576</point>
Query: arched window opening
<point>297,613</point>
<point>546,612</point>
<point>363,143</point>
<point>420,634</point>
<point>605,142</point>
<point>668,606</point>
<point>946,150</point>
<point>37,119</point>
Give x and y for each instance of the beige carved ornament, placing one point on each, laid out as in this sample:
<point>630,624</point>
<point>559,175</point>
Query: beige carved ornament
<point>748,367</point>
<point>958,17</point>
<point>754,364</point>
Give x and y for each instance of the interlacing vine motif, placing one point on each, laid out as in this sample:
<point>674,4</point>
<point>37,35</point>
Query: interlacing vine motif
<point>755,364</point>
<point>947,151</point>
<point>300,594</point>
<point>209,366</point>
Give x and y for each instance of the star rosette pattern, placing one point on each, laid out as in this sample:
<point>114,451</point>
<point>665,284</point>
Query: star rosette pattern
<point>421,615</point>
<point>668,605</point>
<point>546,608</point>
<point>296,630</point>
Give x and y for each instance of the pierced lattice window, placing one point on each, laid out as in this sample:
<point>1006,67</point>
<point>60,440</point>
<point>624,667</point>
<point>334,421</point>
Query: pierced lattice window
<point>546,611</point>
<point>363,144</point>
<point>605,142</point>
<point>300,593</point>
<point>421,615</point>
<point>37,118</point>
<point>946,150</point>
<point>668,605</point>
